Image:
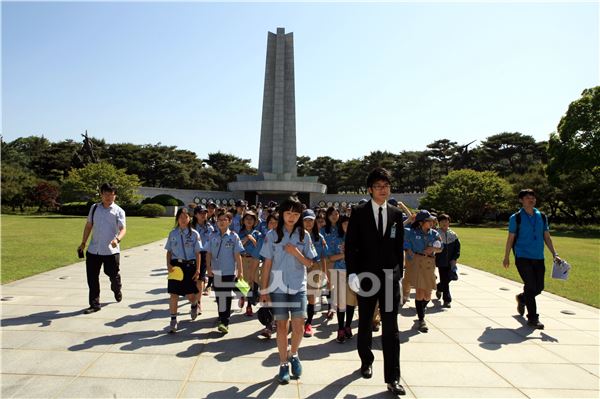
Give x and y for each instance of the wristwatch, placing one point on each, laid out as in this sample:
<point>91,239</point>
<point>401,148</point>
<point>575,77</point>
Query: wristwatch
<point>117,238</point>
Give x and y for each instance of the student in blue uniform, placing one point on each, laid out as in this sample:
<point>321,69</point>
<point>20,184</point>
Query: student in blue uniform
<point>527,239</point>
<point>224,263</point>
<point>205,229</point>
<point>251,239</point>
<point>446,260</point>
<point>421,243</point>
<point>345,298</point>
<point>332,215</point>
<point>240,210</point>
<point>288,251</point>
<point>317,272</point>
<point>183,251</point>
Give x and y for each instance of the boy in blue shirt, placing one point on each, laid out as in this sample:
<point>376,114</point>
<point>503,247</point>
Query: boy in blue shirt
<point>224,262</point>
<point>527,232</point>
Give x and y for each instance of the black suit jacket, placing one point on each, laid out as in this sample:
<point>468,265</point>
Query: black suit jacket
<point>366,250</point>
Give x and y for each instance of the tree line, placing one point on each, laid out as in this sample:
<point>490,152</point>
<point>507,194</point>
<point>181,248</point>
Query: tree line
<point>565,170</point>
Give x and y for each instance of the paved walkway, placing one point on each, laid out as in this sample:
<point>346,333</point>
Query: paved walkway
<point>479,348</point>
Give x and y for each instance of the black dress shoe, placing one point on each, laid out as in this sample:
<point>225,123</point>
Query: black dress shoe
<point>366,371</point>
<point>535,324</point>
<point>118,296</point>
<point>396,388</point>
<point>91,309</point>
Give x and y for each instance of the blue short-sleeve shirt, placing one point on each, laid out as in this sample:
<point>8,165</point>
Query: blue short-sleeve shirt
<point>236,223</point>
<point>321,247</point>
<point>288,275</point>
<point>417,241</point>
<point>249,247</point>
<point>205,231</point>
<point>183,244</point>
<point>530,242</point>
<point>107,224</point>
<point>223,248</point>
<point>335,248</point>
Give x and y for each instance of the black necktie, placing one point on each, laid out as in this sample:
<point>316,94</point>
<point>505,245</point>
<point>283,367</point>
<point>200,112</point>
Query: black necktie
<point>380,222</point>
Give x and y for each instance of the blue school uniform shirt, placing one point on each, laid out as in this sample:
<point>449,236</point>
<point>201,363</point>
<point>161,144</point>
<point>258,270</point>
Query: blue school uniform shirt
<point>288,275</point>
<point>262,227</point>
<point>336,249</point>
<point>329,236</point>
<point>249,247</point>
<point>205,232</point>
<point>530,243</point>
<point>321,247</point>
<point>223,249</point>
<point>236,223</point>
<point>417,241</point>
<point>183,244</point>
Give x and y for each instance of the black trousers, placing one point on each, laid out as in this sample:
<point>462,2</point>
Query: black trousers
<point>389,324</point>
<point>532,273</point>
<point>93,263</point>
<point>444,284</point>
<point>223,287</point>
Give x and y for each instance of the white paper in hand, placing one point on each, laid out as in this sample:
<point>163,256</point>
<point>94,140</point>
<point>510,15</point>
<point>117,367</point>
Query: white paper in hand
<point>354,282</point>
<point>560,269</point>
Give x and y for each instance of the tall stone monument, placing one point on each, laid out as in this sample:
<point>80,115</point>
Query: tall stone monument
<point>277,174</point>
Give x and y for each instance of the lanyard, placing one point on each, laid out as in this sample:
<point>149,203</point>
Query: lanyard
<point>183,245</point>
<point>220,243</point>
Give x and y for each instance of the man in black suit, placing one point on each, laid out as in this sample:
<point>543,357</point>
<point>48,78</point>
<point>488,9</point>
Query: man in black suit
<point>374,257</point>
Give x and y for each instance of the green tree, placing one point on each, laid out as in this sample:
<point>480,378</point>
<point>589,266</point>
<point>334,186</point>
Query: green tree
<point>84,184</point>
<point>443,153</point>
<point>468,195</point>
<point>16,183</point>
<point>328,171</point>
<point>508,153</point>
<point>302,165</point>
<point>228,166</point>
<point>574,154</point>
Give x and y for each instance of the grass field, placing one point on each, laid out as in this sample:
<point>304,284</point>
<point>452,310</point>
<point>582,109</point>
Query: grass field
<point>483,248</point>
<point>34,244</point>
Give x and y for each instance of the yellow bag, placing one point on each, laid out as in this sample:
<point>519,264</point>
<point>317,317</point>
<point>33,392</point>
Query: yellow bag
<point>242,286</point>
<point>176,274</point>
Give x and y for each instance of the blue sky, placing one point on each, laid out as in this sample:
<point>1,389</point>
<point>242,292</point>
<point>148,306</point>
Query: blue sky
<point>388,76</point>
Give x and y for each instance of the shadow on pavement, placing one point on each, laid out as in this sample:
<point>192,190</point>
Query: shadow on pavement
<point>43,318</point>
<point>494,338</point>
<point>270,386</point>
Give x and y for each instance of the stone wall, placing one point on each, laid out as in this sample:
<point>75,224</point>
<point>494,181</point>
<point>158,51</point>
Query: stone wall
<point>187,196</point>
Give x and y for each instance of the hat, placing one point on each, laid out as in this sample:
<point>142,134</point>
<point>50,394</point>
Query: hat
<point>265,315</point>
<point>176,274</point>
<point>211,203</point>
<point>272,204</point>
<point>423,215</point>
<point>200,209</point>
<point>392,201</point>
<point>363,201</point>
<point>240,203</point>
<point>309,214</point>
<point>251,213</point>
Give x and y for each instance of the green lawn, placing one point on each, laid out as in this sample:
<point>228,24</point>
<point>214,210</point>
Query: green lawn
<point>483,248</point>
<point>34,244</point>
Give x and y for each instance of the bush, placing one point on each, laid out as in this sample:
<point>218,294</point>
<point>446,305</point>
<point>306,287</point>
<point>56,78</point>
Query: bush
<point>75,208</point>
<point>132,209</point>
<point>152,210</point>
<point>163,199</point>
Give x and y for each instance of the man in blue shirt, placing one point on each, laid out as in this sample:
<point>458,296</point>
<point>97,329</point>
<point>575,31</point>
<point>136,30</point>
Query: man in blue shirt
<point>527,232</point>
<point>107,222</point>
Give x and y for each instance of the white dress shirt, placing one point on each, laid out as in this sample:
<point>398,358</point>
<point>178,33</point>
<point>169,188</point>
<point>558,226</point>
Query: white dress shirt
<point>376,213</point>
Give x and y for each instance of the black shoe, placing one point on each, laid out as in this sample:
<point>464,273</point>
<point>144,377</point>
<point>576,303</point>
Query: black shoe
<point>423,326</point>
<point>438,294</point>
<point>446,305</point>
<point>375,327</point>
<point>366,371</point>
<point>118,296</point>
<point>520,305</point>
<point>91,309</point>
<point>535,324</point>
<point>396,388</point>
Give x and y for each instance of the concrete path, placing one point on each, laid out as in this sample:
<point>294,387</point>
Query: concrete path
<point>479,348</point>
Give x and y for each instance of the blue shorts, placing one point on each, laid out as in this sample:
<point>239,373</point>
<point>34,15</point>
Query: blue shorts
<point>284,304</point>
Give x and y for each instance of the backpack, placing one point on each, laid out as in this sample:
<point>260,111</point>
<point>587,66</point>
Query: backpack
<point>518,220</point>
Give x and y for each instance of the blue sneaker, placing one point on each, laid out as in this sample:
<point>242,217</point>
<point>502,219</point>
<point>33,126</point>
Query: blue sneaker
<point>296,366</point>
<point>284,374</point>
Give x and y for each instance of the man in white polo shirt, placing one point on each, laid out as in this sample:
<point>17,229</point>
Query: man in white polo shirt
<point>107,221</point>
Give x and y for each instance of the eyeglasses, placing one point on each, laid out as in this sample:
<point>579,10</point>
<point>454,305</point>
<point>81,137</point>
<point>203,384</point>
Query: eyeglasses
<point>381,186</point>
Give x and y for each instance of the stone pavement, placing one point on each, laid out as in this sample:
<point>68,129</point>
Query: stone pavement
<point>479,348</point>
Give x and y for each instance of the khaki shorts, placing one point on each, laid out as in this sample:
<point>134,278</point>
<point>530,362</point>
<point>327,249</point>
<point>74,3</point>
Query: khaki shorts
<point>314,279</point>
<point>246,269</point>
<point>342,295</point>
<point>423,274</point>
